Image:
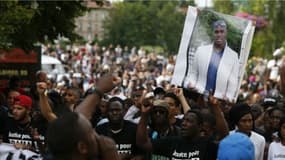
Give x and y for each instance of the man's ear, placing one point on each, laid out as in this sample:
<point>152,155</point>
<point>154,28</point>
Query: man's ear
<point>82,148</point>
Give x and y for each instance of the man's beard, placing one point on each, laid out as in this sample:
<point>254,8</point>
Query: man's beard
<point>21,118</point>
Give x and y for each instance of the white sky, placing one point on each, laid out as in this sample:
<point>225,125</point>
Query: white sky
<point>204,3</point>
<point>200,3</point>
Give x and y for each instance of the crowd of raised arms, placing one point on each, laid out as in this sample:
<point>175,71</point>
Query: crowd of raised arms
<point>118,103</point>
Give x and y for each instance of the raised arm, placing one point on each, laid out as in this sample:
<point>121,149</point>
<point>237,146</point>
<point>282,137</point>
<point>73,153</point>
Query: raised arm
<point>142,138</point>
<point>105,84</point>
<point>44,105</point>
<point>221,123</point>
<point>179,93</point>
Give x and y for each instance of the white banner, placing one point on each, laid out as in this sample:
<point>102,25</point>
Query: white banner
<point>213,52</point>
<point>9,152</point>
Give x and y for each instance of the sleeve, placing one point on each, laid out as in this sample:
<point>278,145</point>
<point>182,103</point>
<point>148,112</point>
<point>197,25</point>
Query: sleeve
<point>233,80</point>
<point>212,151</point>
<point>102,130</point>
<point>130,114</point>
<point>269,157</point>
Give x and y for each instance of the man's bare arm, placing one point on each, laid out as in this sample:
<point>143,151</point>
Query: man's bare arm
<point>105,84</point>
<point>44,105</point>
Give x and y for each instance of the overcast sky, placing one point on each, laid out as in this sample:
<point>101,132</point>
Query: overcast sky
<point>204,3</point>
<point>200,3</point>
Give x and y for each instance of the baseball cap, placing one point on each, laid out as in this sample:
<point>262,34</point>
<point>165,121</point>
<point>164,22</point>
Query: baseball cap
<point>24,101</point>
<point>161,103</point>
<point>269,101</point>
<point>149,95</point>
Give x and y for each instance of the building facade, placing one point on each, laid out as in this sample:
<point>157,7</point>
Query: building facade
<point>90,26</point>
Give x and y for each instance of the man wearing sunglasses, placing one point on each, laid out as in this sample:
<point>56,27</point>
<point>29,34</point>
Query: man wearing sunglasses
<point>189,144</point>
<point>160,126</point>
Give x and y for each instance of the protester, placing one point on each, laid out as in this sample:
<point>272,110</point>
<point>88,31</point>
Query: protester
<point>177,105</point>
<point>277,148</point>
<point>139,74</point>
<point>189,144</point>
<point>123,132</point>
<point>71,136</point>
<point>242,118</point>
<point>21,130</point>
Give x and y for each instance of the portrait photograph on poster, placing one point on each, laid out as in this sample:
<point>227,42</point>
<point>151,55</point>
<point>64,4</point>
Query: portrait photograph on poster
<point>213,52</point>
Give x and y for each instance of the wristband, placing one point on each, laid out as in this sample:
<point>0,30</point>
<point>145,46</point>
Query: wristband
<point>96,91</point>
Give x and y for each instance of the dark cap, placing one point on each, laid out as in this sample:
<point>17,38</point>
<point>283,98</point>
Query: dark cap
<point>269,101</point>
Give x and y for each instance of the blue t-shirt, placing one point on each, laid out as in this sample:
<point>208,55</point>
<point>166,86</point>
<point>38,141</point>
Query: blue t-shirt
<point>212,70</point>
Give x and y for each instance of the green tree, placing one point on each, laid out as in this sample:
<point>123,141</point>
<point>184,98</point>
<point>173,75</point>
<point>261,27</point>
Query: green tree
<point>125,24</point>
<point>12,18</point>
<point>170,28</point>
<point>23,23</point>
<point>226,7</point>
<point>154,23</point>
<point>266,39</point>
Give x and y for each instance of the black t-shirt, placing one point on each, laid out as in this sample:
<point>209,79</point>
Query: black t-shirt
<point>179,148</point>
<point>125,139</point>
<point>22,133</point>
<point>3,118</point>
<point>172,131</point>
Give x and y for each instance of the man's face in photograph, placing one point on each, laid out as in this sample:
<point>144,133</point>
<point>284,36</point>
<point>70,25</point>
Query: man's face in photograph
<point>220,34</point>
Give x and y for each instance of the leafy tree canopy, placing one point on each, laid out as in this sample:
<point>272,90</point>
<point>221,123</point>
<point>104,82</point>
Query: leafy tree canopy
<point>267,39</point>
<point>24,23</point>
<point>154,23</point>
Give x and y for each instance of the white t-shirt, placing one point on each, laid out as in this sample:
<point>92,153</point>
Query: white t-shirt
<point>259,144</point>
<point>276,151</point>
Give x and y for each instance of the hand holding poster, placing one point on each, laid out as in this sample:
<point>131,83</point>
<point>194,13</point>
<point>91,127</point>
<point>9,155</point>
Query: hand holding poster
<point>213,52</point>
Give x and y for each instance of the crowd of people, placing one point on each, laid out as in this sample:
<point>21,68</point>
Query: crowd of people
<point>123,106</point>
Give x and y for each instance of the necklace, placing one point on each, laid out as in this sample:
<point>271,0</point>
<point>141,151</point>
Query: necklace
<point>116,131</point>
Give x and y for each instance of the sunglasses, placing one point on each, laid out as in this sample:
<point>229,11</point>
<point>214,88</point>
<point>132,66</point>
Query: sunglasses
<point>137,95</point>
<point>160,111</point>
<point>68,94</point>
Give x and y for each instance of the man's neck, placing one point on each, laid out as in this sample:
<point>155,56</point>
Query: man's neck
<point>117,126</point>
<point>192,138</point>
<point>219,48</point>
<point>25,120</point>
